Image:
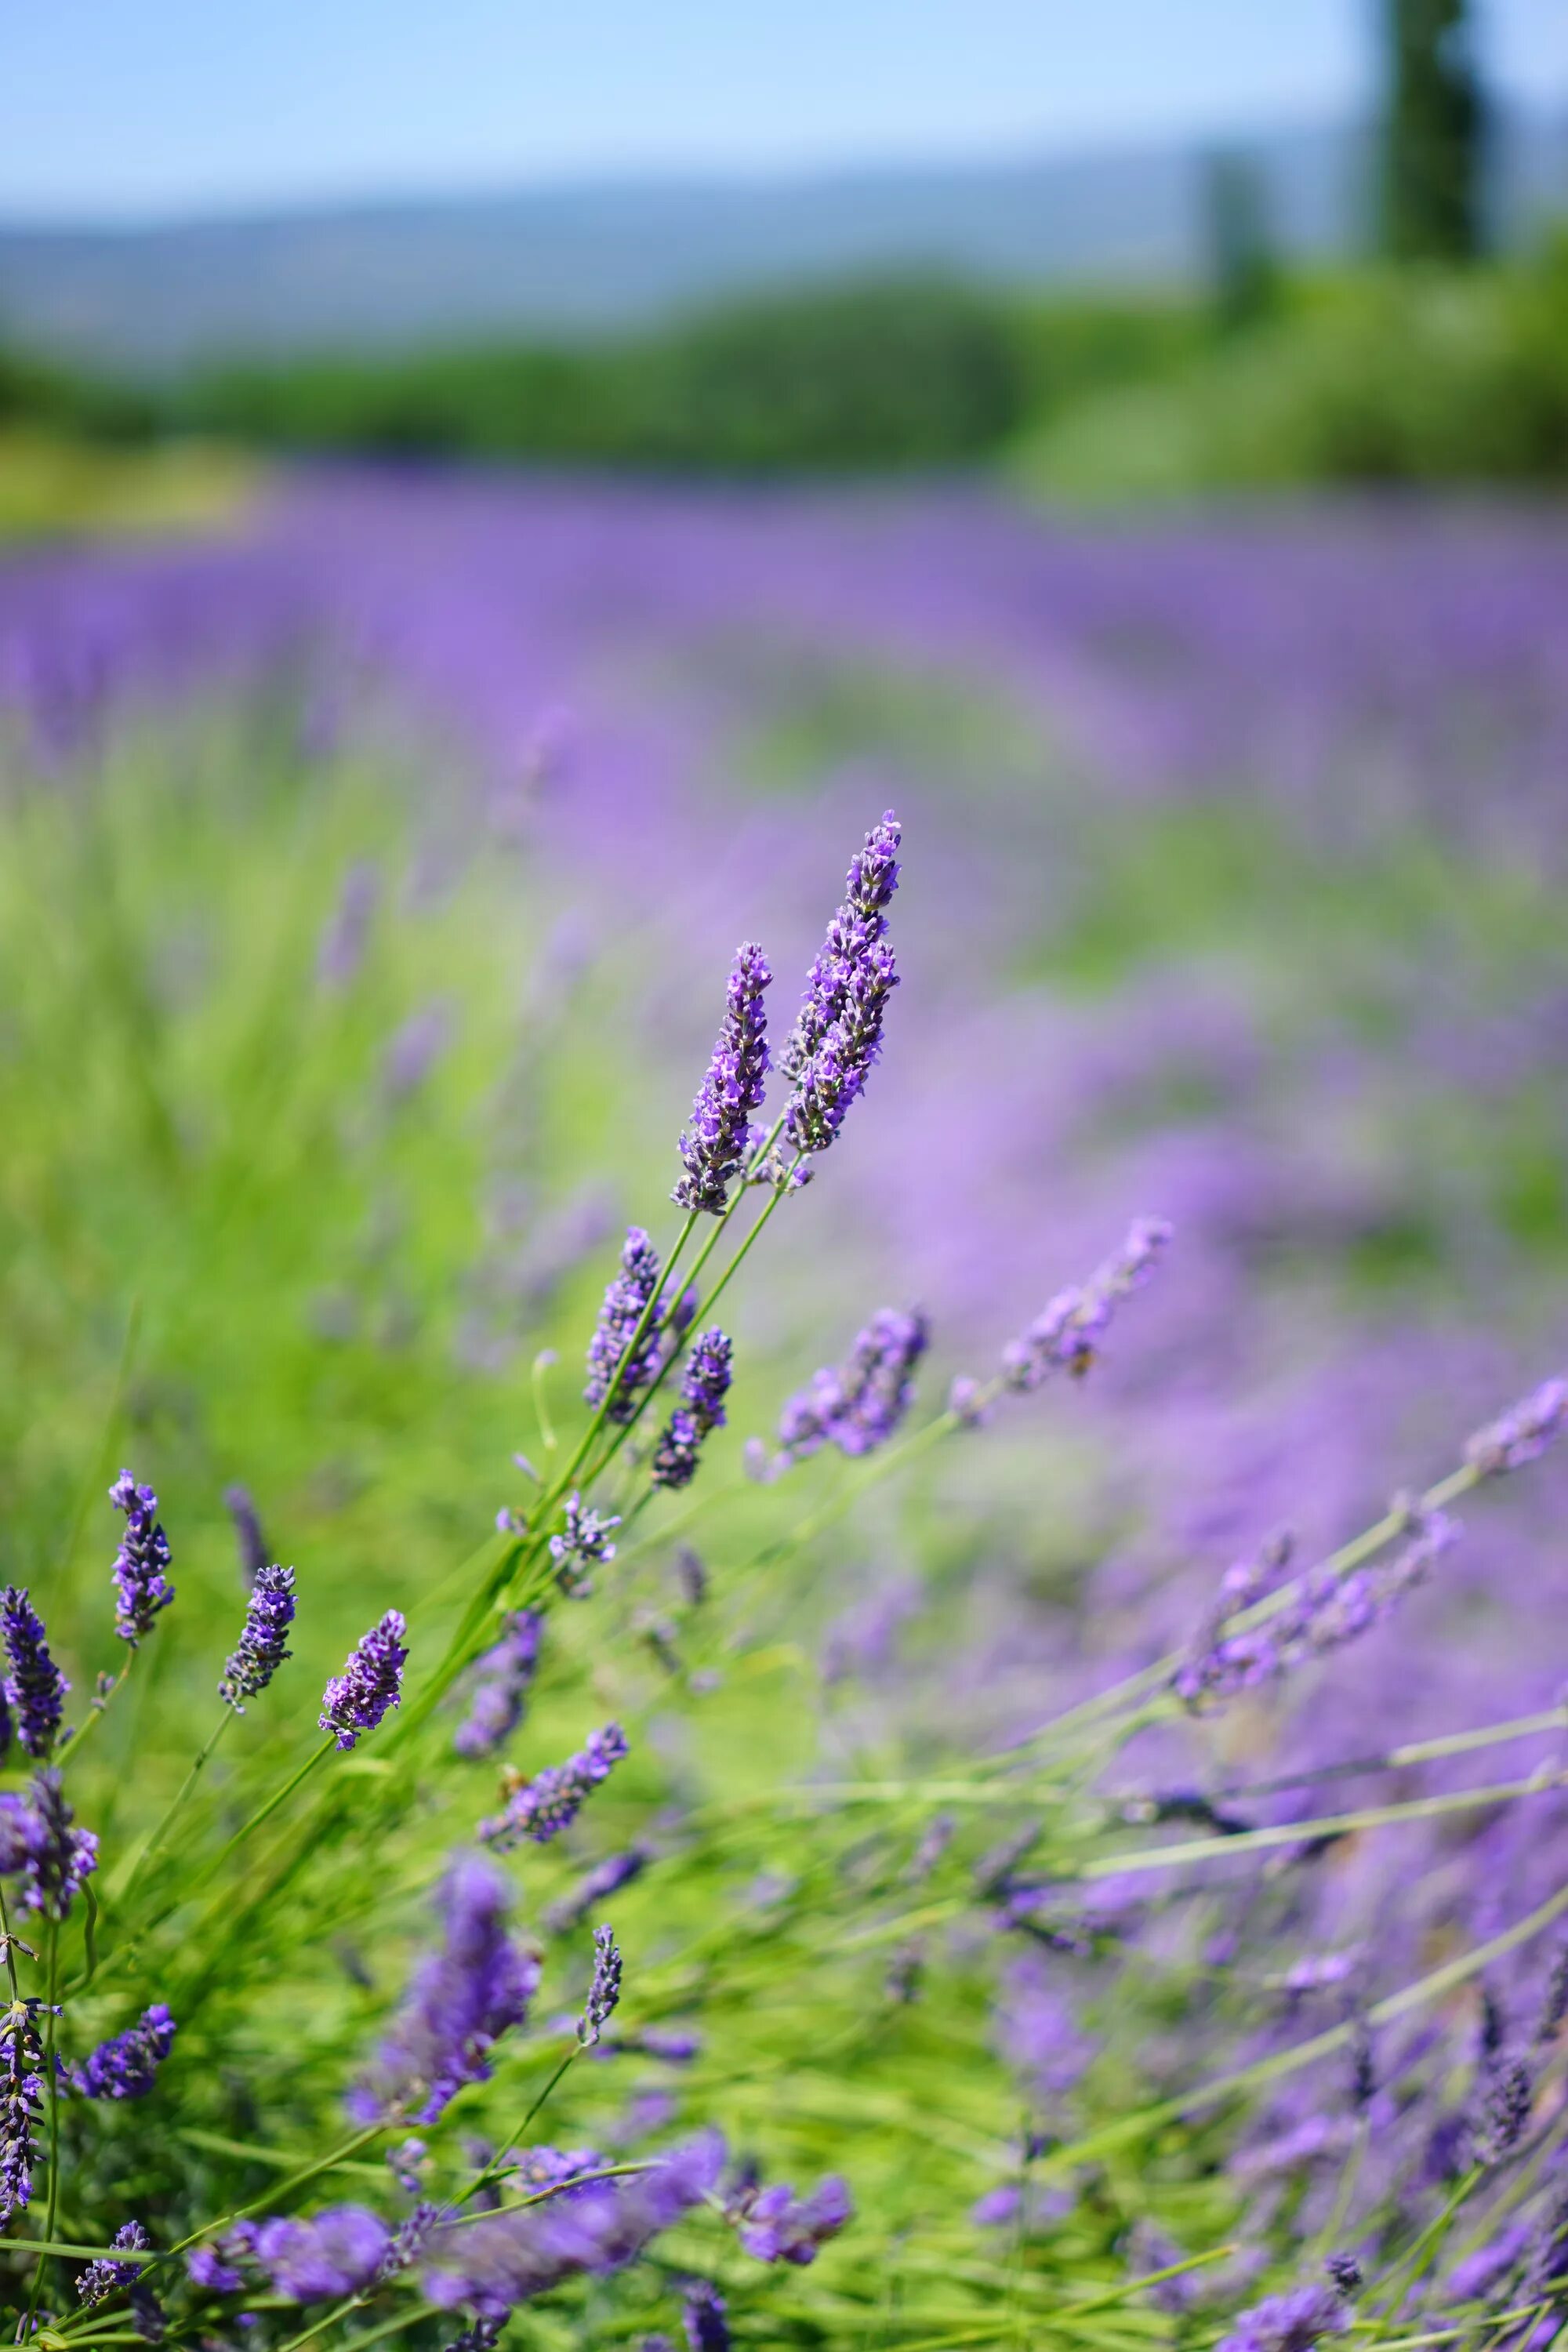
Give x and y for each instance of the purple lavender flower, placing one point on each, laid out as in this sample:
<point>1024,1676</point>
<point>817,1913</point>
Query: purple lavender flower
<point>625,1301</point>
<point>704,1385</point>
<point>370,1682</point>
<point>1067,1337</point>
<point>715,1143</point>
<point>334,2252</point>
<point>775,2226</point>
<point>408,2241</point>
<point>1292,2321</point>
<point>542,2168</point>
<point>500,1684</point>
<point>21,2100</point>
<point>462,1999</point>
<point>263,1638</point>
<point>1505,2112</point>
<point>101,2277</point>
<point>494,2264</point>
<point>205,2268</point>
<point>343,943</point>
<point>60,1859</point>
<point>541,1807</point>
<point>581,1545</point>
<point>1522,1433</point>
<point>413,1050</point>
<point>605,1992</point>
<point>837,1035</point>
<point>691,1575</point>
<point>253,1553</point>
<point>140,1586</point>
<point>127,2066</point>
<point>858,1406</point>
<point>702,2318</point>
<point>1555,2002</point>
<point>596,1886</point>
<point>34,1686</point>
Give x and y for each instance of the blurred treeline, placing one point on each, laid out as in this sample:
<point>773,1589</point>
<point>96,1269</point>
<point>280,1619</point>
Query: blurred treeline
<point>1420,372</point>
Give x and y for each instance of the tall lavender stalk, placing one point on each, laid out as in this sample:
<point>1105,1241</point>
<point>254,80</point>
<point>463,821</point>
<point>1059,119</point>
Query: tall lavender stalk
<point>716,1142</point>
<point>837,1033</point>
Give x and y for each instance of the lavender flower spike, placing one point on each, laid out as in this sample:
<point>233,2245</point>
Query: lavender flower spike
<point>101,2278</point>
<point>777,2227</point>
<point>837,1033</point>
<point>703,2319</point>
<point>1522,1433</point>
<point>858,1406</point>
<point>461,2001</point>
<point>334,2252</point>
<point>1065,1338</point>
<point>704,1385</point>
<point>606,1878</point>
<point>34,1686</point>
<point>60,1859</point>
<point>716,1142</point>
<point>605,1992</point>
<point>1292,2322</point>
<point>141,1588</point>
<point>625,1301</point>
<point>263,1639</point>
<point>541,1807</point>
<point>501,1681</point>
<point>127,2066</point>
<point>857,926</point>
<point>370,1682</point>
<point>583,1543</point>
<point>21,2101</point>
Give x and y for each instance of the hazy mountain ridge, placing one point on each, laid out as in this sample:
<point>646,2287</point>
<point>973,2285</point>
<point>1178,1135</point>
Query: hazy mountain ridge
<point>594,258</point>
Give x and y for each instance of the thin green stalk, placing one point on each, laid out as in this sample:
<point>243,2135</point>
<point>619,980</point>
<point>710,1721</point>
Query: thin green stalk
<point>10,1955</point>
<point>96,1712</point>
<point>154,1843</point>
<point>498,2163</point>
<point>1414,2260</point>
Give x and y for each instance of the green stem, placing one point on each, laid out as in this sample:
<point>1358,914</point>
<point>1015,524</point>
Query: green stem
<point>498,2163</point>
<point>155,1842</point>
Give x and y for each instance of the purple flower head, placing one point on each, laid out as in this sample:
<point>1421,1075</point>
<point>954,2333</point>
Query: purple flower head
<point>101,2277</point>
<point>498,1686</point>
<point>60,1859</point>
<point>605,1992</point>
<point>715,1143</point>
<point>625,1302</point>
<point>205,2268</point>
<point>21,2100</point>
<point>834,1077</point>
<point>702,2318</point>
<point>335,2252</point>
<point>34,1686</point>
<point>263,1638</point>
<point>1067,1337</point>
<point>127,2066</point>
<point>370,1682</point>
<point>342,942</point>
<point>858,1405</point>
<point>596,1886</point>
<point>247,1535</point>
<point>1292,2321</point>
<point>494,2264</point>
<point>1520,1435</point>
<point>857,927</point>
<point>541,1807</point>
<point>462,1999</point>
<point>142,1589</point>
<point>775,2226</point>
<point>704,1385</point>
<point>413,1050</point>
<point>1504,2111</point>
<point>581,1545</point>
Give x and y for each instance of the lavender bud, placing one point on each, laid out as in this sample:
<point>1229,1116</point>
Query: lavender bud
<point>691,1575</point>
<point>21,2101</point>
<point>263,1638</point>
<point>1554,2004</point>
<point>127,2066</point>
<point>499,1683</point>
<point>34,1686</point>
<point>702,2318</point>
<point>606,1878</point>
<point>206,2269</point>
<point>335,2252</point>
<point>370,1682</point>
<point>101,2277</point>
<point>605,1992</point>
<point>625,1302</point>
<point>541,1807</point>
<point>1505,2112</point>
<point>856,929</point>
<point>715,1143</point>
<point>1292,2321</point>
<point>1522,1433</point>
<point>777,2226</point>
<point>583,1544</point>
<point>858,1406</point>
<point>704,1385</point>
<point>142,1589</point>
<point>252,1543</point>
<point>1345,2275</point>
<point>1067,1337</point>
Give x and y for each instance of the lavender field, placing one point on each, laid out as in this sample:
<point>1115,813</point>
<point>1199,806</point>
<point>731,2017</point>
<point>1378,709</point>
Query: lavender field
<point>1121,1897</point>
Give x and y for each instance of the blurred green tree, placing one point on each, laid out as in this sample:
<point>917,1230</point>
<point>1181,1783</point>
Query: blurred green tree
<point>1434,129</point>
<point>1243,271</point>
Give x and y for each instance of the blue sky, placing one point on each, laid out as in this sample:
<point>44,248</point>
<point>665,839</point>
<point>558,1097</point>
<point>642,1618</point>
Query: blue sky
<point>134,108</point>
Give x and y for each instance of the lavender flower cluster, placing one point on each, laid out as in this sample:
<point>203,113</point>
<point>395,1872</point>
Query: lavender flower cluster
<point>541,1807</point>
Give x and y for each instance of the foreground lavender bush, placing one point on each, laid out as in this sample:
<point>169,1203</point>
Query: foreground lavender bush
<point>1096,2032</point>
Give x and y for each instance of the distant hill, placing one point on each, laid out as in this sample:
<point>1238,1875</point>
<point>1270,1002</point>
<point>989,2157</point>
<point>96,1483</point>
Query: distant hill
<point>572,261</point>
